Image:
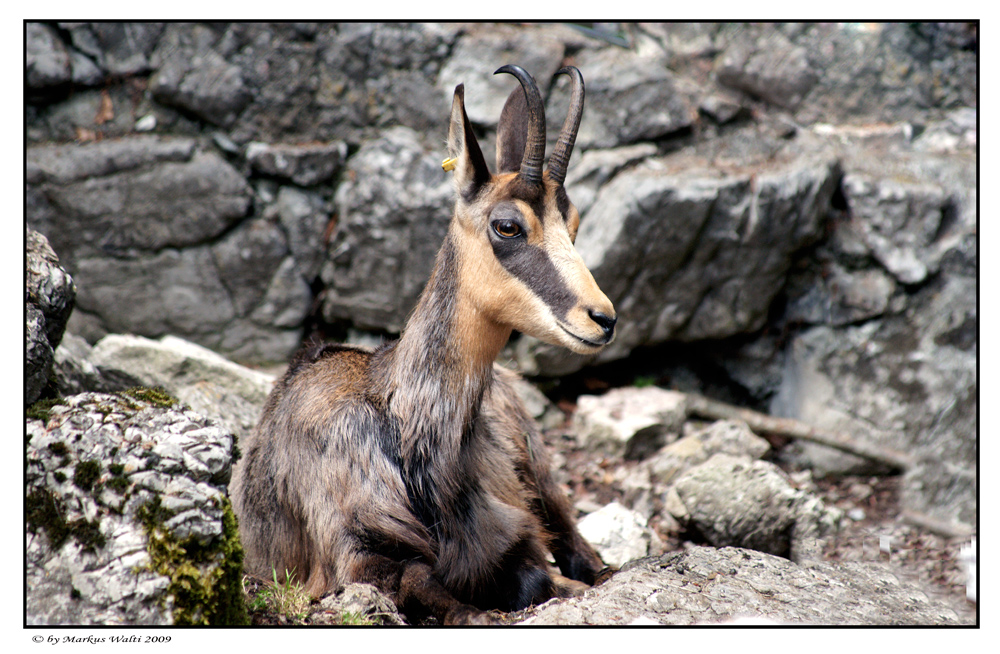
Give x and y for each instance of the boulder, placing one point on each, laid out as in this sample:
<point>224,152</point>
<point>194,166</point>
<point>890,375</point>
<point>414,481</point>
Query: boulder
<point>705,585</point>
<point>128,522</point>
<point>724,436</point>
<point>619,534</point>
<point>629,422</point>
<point>225,391</point>
<point>735,501</point>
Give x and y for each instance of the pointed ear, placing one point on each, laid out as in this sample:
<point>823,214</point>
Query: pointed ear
<point>471,172</point>
<point>512,132</point>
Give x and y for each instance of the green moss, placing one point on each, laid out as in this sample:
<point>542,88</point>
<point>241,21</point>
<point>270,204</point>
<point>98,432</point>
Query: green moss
<point>44,511</point>
<point>356,619</point>
<point>41,409</point>
<point>118,481</point>
<point>118,484</point>
<point>204,579</point>
<point>60,476</point>
<point>58,448</point>
<point>88,534</point>
<point>158,397</point>
<point>86,474</point>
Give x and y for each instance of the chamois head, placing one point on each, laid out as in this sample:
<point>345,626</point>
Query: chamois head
<point>515,230</point>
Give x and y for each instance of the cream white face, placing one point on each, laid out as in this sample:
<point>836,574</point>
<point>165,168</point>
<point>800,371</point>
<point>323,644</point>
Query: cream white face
<point>530,277</point>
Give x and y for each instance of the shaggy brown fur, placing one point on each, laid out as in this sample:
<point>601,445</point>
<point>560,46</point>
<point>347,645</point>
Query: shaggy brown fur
<point>415,467</point>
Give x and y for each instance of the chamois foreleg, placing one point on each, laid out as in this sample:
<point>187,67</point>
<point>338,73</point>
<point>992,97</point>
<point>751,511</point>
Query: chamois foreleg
<point>415,590</point>
<point>575,557</point>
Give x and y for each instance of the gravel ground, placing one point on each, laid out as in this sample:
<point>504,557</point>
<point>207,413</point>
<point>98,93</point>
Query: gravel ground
<point>874,530</point>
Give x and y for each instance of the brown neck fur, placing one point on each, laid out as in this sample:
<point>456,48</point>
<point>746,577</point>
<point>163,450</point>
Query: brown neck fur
<point>436,375</point>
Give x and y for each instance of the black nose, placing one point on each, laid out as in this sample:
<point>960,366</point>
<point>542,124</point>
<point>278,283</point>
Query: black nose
<point>606,322</point>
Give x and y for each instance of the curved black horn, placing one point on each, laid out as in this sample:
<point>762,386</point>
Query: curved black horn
<point>559,159</point>
<point>534,148</point>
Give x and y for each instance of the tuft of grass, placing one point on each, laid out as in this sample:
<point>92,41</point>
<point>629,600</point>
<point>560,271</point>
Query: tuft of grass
<point>356,619</point>
<point>287,598</point>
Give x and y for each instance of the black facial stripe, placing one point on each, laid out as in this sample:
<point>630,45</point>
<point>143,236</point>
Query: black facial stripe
<point>532,265</point>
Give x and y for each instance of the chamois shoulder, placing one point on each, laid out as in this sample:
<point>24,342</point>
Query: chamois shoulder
<point>320,375</point>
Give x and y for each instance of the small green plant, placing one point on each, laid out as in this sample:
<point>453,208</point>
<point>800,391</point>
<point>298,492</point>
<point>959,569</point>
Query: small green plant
<point>356,619</point>
<point>287,598</point>
<point>642,381</point>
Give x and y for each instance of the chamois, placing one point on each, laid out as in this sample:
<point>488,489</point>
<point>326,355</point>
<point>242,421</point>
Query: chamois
<point>415,466</point>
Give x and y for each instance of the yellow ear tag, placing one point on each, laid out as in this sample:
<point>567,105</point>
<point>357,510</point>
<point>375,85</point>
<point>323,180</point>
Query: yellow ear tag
<point>449,164</point>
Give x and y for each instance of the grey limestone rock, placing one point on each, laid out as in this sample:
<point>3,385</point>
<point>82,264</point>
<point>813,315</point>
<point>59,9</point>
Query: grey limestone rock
<point>686,253</point>
<point>356,602</point>
<point>47,61</point>
<point>225,391</point>
<point>115,485</point>
<point>723,436</point>
<point>619,534</point>
<point>394,212</point>
<point>736,501</point>
<point>50,294</point>
<point>303,164</point>
<point>484,49</point>
<point>705,585</point>
<point>629,422</point>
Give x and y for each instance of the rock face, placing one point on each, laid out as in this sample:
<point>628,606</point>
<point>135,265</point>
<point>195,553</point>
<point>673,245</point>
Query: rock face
<point>127,515</point>
<point>704,585</point>
<point>393,218</point>
<point>688,254</point>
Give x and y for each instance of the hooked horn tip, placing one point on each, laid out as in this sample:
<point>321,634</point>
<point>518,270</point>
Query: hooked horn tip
<point>509,68</point>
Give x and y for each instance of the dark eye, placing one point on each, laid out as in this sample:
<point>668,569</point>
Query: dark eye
<point>506,228</point>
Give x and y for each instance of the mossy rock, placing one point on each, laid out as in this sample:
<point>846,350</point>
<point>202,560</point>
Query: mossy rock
<point>205,579</point>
